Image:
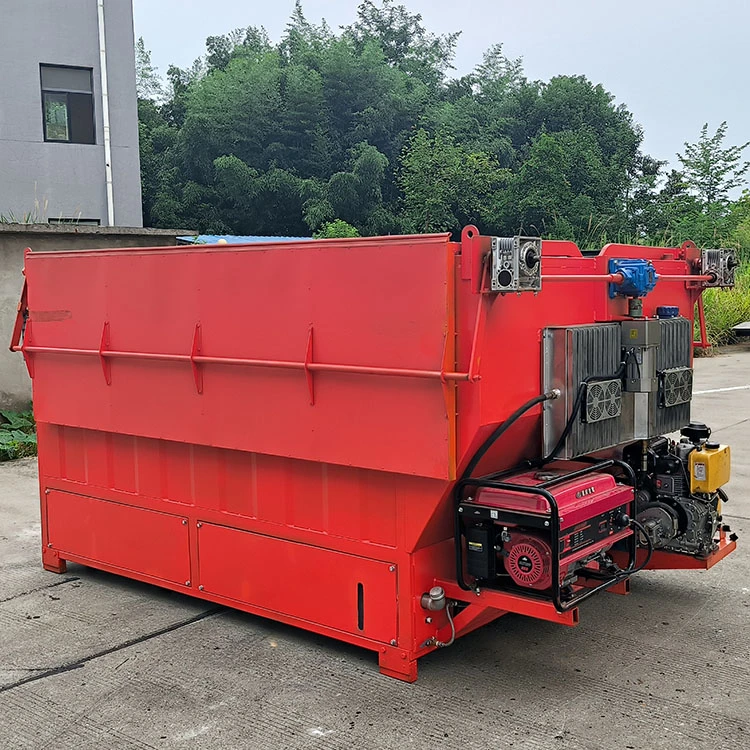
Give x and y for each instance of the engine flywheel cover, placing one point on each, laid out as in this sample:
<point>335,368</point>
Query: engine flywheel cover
<point>529,562</point>
<point>660,521</point>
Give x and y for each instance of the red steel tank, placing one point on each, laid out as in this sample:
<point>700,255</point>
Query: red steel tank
<point>391,441</point>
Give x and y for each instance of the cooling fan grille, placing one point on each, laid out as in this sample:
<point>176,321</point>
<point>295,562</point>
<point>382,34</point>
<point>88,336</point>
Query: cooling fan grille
<point>603,400</point>
<point>677,386</point>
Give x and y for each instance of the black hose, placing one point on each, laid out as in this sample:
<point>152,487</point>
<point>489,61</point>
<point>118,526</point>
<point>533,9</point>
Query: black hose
<point>568,426</point>
<point>649,543</point>
<point>502,428</point>
<point>623,573</point>
<point>577,409</point>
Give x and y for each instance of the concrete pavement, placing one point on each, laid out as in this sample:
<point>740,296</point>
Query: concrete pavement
<point>90,660</point>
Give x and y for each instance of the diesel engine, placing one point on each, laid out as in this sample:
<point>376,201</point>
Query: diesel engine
<point>679,492</point>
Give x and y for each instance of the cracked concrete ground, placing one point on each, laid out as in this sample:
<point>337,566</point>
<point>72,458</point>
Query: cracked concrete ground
<point>89,660</point>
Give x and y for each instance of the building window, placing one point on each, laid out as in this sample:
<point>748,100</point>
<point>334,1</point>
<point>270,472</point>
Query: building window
<point>67,104</point>
<point>76,221</point>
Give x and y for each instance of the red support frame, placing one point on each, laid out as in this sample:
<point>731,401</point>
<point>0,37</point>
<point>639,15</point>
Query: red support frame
<point>702,342</point>
<point>21,312</point>
<point>103,352</point>
<point>503,602</point>
<point>308,362</point>
<point>195,351</point>
<point>666,560</point>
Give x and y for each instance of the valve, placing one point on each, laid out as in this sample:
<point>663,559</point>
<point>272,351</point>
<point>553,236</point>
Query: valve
<point>434,600</point>
<point>667,311</point>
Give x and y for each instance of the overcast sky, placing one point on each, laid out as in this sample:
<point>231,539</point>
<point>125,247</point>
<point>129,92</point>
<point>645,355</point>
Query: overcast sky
<point>675,63</point>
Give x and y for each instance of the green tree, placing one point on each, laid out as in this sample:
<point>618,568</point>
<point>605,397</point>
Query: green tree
<point>711,171</point>
<point>354,195</point>
<point>148,83</point>
<point>249,201</point>
<point>404,41</point>
<point>364,125</point>
<point>446,186</point>
<point>157,139</point>
<point>695,203</point>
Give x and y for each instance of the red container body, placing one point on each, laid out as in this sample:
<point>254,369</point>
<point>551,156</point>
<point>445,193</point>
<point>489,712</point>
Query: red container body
<point>279,427</point>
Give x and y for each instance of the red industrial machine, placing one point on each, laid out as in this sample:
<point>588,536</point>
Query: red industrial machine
<point>389,440</point>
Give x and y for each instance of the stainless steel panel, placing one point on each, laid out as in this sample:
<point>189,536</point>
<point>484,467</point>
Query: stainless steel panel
<point>570,356</point>
<point>675,351</point>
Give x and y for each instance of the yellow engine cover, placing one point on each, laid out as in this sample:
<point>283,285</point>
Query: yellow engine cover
<point>709,468</point>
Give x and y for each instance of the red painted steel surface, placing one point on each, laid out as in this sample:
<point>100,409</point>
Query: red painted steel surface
<point>120,535</point>
<point>356,595</point>
<point>276,424</point>
<point>256,306</point>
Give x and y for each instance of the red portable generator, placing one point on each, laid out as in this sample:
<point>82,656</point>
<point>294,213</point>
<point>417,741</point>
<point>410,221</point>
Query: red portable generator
<point>549,532</point>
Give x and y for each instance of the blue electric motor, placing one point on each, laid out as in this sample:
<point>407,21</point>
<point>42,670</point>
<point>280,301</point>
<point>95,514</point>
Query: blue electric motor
<point>638,277</point>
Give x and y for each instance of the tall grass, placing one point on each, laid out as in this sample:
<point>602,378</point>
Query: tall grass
<point>726,308</point>
<point>29,217</point>
<point>37,215</point>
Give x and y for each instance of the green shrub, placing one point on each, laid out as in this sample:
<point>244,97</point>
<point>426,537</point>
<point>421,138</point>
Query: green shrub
<point>17,435</point>
<point>337,228</point>
<point>726,308</point>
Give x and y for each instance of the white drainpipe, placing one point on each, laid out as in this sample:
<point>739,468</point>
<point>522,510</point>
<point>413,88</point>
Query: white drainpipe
<point>105,117</point>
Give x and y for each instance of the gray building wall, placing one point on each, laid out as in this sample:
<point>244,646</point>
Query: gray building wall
<point>67,180</point>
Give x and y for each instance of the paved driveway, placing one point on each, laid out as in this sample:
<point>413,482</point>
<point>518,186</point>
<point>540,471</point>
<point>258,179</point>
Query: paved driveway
<point>89,660</point>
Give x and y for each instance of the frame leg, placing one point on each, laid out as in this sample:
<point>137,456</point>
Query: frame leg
<point>398,664</point>
<point>623,588</point>
<point>702,343</point>
<point>52,561</point>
